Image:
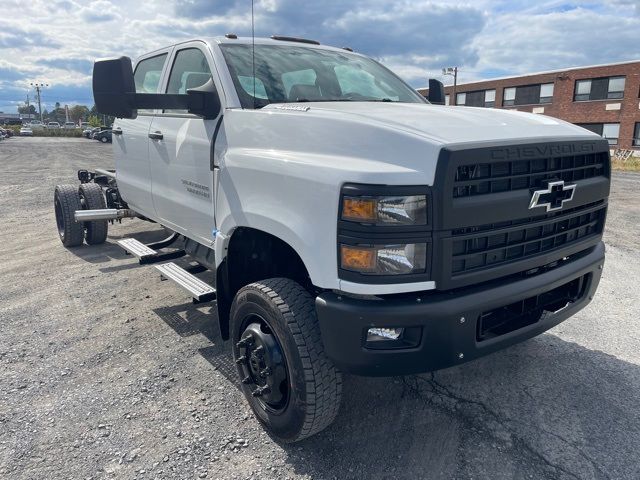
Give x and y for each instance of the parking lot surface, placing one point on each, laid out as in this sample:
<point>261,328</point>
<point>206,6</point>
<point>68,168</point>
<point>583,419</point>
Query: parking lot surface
<point>107,372</point>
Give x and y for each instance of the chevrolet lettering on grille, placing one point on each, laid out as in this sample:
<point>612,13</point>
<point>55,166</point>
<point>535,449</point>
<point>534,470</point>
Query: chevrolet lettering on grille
<point>553,197</point>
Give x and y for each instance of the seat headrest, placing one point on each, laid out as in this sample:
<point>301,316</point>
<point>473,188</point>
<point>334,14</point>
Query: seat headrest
<point>194,80</point>
<point>304,92</point>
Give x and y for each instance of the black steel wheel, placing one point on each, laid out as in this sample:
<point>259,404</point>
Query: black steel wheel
<point>290,384</point>
<point>66,201</point>
<point>92,198</point>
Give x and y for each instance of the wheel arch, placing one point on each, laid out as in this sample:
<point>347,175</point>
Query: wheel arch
<point>251,254</point>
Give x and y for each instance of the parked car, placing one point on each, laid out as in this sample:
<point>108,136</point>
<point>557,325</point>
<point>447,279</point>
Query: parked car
<point>6,132</point>
<point>35,124</point>
<point>103,136</point>
<point>69,125</point>
<point>53,125</point>
<point>26,131</point>
<point>84,125</point>
<point>98,130</point>
<point>87,132</point>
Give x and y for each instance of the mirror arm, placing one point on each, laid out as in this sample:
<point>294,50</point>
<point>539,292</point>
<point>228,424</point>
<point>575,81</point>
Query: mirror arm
<point>161,101</point>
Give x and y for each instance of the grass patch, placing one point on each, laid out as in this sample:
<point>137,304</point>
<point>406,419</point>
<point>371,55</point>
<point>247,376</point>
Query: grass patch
<point>632,164</point>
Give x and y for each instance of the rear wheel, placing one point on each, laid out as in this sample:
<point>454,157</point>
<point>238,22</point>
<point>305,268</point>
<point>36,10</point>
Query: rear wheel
<point>290,384</point>
<point>66,201</point>
<point>91,198</point>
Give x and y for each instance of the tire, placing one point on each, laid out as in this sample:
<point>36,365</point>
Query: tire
<point>280,315</point>
<point>66,201</point>
<point>92,199</point>
<point>104,139</point>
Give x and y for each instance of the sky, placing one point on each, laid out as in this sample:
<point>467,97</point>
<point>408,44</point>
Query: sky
<point>56,41</point>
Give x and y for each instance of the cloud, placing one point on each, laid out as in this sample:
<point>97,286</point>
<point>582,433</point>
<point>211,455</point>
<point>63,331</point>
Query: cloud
<point>55,41</point>
<point>99,11</point>
<point>81,65</point>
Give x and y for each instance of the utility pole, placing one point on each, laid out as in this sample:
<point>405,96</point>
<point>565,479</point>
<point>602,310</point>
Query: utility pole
<point>38,87</point>
<point>453,71</point>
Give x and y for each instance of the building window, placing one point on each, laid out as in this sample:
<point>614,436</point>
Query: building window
<point>546,93</point>
<point>528,95</point>
<point>599,89</point>
<point>447,99</point>
<point>509,96</point>
<point>610,131</point>
<point>636,135</point>
<point>489,98</point>
<point>478,98</point>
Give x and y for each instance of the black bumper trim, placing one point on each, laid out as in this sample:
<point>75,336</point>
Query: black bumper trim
<point>446,341</point>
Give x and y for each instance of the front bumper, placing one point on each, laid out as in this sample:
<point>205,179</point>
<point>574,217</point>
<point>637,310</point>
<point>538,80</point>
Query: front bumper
<point>445,340</point>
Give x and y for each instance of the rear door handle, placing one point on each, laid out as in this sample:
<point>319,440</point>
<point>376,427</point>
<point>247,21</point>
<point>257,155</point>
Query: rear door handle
<point>117,131</point>
<point>156,135</point>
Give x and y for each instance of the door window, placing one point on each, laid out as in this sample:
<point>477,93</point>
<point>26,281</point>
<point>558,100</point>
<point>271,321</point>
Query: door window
<point>147,76</point>
<point>190,70</point>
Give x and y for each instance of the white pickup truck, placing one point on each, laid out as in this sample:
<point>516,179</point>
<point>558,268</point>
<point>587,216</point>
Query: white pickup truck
<point>340,221</point>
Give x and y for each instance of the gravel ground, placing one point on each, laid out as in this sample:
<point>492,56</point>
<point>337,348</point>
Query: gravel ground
<point>105,372</point>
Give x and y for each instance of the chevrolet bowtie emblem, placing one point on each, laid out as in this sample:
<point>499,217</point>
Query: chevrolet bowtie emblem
<point>553,197</point>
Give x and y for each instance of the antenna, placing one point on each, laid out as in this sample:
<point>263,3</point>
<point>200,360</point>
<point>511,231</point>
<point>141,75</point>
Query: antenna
<point>253,55</point>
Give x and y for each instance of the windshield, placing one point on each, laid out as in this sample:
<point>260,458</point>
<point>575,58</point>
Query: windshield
<point>299,74</point>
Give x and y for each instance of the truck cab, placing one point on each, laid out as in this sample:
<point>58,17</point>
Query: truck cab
<point>350,224</point>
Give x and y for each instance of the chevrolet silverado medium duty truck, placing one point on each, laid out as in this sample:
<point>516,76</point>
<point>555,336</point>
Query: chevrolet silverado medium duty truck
<point>339,220</point>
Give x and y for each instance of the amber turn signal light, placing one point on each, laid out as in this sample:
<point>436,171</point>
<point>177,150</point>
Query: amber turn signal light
<point>359,259</point>
<point>360,209</point>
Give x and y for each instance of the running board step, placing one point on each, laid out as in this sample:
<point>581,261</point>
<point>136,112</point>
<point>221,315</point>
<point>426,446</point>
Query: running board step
<point>137,248</point>
<point>199,290</point>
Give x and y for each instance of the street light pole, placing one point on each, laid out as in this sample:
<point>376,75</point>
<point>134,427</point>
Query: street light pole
<point>453,71</point>
<point>38,87</point>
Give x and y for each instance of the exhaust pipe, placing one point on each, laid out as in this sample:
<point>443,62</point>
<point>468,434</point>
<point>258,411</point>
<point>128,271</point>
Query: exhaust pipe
<point>103,214</point>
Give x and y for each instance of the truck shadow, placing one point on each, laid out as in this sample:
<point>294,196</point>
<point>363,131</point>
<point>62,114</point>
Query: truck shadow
<point>110,250</point>
<point>545,408</point>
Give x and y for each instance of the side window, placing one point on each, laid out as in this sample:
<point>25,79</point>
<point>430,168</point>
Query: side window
<point>362,83</point>
<point>247,86</point>
<point>190,70</point>
<point>147,76</point>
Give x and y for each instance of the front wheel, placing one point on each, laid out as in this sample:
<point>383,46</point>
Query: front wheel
<point>291,385</point>
<point>104,139</point>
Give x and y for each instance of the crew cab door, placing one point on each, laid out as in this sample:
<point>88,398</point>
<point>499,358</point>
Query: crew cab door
<point>180,150</point>
<point>131,142</point>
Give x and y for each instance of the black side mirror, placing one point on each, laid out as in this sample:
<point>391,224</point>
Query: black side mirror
<point>113,87</point>
<point>204,100</point>
<point>436,92</point>
<point>114,92</point>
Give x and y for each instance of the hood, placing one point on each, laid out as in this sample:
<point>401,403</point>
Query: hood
<point>446,124</point>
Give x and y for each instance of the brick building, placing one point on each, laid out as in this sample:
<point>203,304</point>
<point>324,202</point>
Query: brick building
<point>602,98</point>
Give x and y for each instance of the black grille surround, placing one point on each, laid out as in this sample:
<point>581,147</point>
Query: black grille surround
<point>483,235</point>
<point>483,228</point>
<point>486,178</point>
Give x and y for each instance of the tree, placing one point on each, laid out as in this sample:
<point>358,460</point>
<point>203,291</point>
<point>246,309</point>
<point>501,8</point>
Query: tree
<point>94,121</point>
<point>27,109</point>
<point>78,113</point>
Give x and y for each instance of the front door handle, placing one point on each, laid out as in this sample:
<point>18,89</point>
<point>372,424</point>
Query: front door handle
<point>117,131</point>
<point>156,135</point>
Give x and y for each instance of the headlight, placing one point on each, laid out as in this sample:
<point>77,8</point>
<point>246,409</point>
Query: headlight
<point>384,259</point>
<point>387,210</point>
